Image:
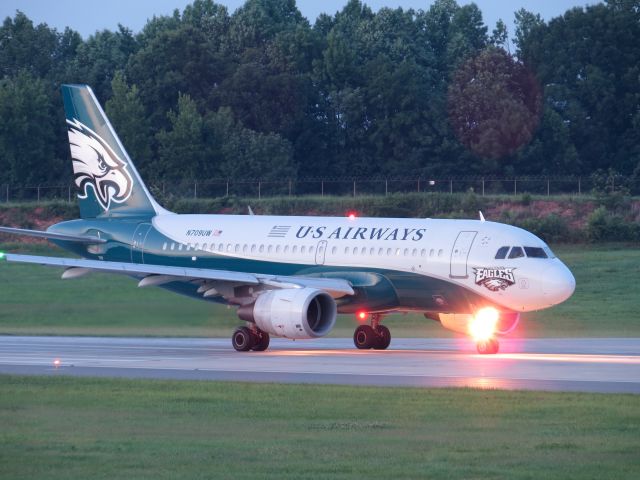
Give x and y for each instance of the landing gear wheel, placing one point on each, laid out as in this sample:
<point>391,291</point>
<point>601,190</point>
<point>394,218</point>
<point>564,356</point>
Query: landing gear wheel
<point>488,347</point>
<point>261,341</point>
<point>242,339</point>
<point>384,338</point>
<point>365,337</point>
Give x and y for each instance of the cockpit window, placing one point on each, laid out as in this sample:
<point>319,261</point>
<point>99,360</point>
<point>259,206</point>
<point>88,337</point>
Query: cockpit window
<point>550,254</point>
<point>502,253</point>
<point>535,252</point>
<point>516,252</point>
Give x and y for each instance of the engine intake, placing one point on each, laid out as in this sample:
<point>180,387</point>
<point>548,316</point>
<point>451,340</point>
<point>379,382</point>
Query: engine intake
<point>292,312</point>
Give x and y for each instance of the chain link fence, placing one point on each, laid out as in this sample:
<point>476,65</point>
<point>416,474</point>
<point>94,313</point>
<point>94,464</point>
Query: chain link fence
<point>256,188</point>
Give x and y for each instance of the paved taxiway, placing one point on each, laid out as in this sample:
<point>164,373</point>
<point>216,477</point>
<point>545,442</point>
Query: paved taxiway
<point>590,365</point>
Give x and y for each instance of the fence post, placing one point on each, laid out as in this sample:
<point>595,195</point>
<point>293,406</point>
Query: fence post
<point>322,188</point>
<point>354,188</point>
<point>227,187</point>
<point>289,187</point>
<point>7,193</point>
<point>579,185</point>
<point>38,189</point>
<point>483,187</point>
<point>259,190</point>
<point>547,186</point>
<point>451,186</point>
<point>515,186</point>
<point>386,187</point>
<point>195,189</point>
<point>69,193</point>
<point>418,184</point>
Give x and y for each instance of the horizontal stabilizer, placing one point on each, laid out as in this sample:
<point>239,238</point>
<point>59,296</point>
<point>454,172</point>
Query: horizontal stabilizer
<point>53,236</point>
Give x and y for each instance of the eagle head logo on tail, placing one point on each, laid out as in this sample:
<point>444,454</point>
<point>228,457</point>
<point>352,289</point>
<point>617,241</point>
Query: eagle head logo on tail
<point>96,165</point>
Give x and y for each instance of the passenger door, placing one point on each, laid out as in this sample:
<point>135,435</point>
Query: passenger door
<point>460,254</point>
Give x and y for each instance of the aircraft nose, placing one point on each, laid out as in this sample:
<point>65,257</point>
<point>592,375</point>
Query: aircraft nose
<point>560,284</point>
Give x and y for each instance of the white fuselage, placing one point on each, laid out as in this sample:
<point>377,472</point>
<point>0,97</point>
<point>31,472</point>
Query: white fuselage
<point>462,252</point>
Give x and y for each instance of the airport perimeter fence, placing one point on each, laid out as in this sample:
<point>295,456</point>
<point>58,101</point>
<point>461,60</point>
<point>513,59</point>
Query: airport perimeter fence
<point>256,188</point>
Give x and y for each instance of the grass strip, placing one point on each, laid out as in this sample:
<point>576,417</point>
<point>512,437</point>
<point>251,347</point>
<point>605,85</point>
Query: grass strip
<point>66,428</point>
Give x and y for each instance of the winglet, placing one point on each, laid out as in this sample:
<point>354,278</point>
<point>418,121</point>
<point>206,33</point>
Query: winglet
<point>250,211</point>
<point>481,216</point>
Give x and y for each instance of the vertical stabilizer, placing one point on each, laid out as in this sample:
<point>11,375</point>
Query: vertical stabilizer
<point>105,175</point>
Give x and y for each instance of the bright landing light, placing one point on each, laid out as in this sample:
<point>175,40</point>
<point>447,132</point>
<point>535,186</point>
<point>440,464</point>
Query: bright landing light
<point>483,325</point>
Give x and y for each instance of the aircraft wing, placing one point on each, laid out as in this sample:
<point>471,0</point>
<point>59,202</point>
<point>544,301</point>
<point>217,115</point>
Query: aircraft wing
<point>161,274</point>
<point>53,236</point>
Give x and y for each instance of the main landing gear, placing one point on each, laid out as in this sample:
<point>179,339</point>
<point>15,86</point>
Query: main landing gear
<point>489,346</point>
<point>374,336</point>
<point>245,339</point>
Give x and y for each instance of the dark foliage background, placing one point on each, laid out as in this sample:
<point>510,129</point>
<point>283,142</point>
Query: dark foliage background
<point>262,93</point>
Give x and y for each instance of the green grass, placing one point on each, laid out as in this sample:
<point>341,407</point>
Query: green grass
<point>66,428</point>
<point>33,300</point>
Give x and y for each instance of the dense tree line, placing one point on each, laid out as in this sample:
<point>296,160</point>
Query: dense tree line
<point>262,93</point>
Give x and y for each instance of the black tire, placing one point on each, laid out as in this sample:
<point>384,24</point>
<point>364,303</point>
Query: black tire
<point>488,347</point>
<point>242,339</point>
<point>262,342</point>
<point>365,337</point>
<point>384,338</point>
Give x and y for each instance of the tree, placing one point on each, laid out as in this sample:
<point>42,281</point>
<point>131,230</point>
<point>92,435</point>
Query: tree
<point>25,47</point>
<point>182,149</point>
<point>27,139</point>
<point>246,154</point>
<point>101,56</point>
<point>500,35</point>
<point>494,104</point>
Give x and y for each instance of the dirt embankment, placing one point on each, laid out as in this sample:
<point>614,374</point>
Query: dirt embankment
<point>556,220</point>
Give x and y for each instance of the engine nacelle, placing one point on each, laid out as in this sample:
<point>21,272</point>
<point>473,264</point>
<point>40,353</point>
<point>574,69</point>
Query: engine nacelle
<point>292,312</point>
<point>460,322</point>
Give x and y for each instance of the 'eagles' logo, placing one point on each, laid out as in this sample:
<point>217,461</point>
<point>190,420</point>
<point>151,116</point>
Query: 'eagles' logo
<point>495,278</point>
<point>97,166</point>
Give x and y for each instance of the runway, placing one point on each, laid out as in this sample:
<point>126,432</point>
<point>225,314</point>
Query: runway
<point>587,365</point>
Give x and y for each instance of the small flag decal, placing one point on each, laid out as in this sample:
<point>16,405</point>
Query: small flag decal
<point>279,231</point>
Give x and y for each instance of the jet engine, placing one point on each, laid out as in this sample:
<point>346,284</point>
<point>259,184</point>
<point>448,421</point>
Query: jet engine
<point>292,312</point>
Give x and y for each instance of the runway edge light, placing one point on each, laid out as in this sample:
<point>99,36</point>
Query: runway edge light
<point>2,256</point>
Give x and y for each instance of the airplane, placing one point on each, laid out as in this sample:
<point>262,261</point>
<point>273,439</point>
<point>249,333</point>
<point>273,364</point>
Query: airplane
<point>289,276</point>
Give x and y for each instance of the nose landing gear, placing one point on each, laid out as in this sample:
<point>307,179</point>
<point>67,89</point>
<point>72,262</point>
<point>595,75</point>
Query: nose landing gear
<point>489,346</point>
<point>374,336</point>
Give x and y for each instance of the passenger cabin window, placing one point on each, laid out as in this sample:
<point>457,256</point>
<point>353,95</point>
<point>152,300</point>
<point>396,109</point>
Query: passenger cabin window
<point>516,252</point>
<point>535,252</point>
<point>502,253</point>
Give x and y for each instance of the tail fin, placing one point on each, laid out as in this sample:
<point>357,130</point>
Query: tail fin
<point>109,183</point>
